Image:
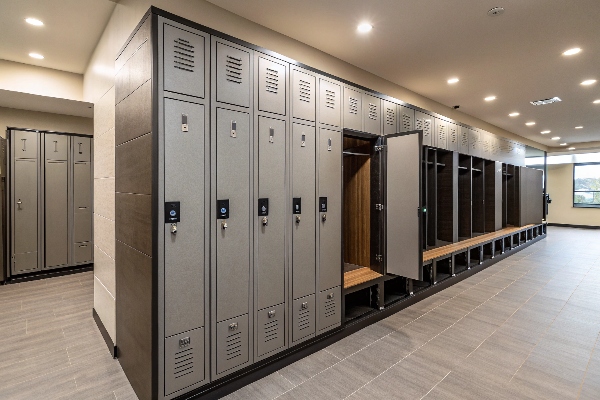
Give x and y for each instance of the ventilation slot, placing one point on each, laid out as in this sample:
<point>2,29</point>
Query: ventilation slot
<point>453,136</point>
<point>304,319</point>
<point>352,105</point>
<point>442,134</point>
<point>183,57</point>
<point>390,117</point>
<point>305,90</point>
<point>406,122</point>
<point>426,127</point>
<point>272,84</point>
<point>372,111</point>
<point>184,363</point>
<point>234,346</point>
<point>233,69</point>
<point>271,331</point>
<point>330,308</point>
<point>329,99</point>
<point>464,139</point>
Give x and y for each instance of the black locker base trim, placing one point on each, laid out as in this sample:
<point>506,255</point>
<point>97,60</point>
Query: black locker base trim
<point>109,343</point>
<point>574,226</point>
<point>259,370</point>
<point>34,276</point>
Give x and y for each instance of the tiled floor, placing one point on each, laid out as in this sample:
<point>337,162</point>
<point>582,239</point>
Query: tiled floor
<point>526,328</point>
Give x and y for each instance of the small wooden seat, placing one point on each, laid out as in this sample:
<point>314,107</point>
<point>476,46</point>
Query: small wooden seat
<point>358,276</point>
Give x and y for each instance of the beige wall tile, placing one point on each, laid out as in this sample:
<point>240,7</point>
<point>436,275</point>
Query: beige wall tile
<point>104,197</point>
<point>104,304</point>
<point>104,155</point>
<point>104,270</point>
<point>104,234</point>
<point>104,113</point>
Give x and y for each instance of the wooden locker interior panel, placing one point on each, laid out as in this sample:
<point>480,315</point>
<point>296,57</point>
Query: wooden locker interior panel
<point>447,197</point>
<point>512,196</point>
<point>504,194</point>
<point>478,193</point>
<point>493,195</point>
<point>464,197</point>
<point>431,196</point>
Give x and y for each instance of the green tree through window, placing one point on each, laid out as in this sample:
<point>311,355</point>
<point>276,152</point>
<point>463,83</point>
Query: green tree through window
<point>586,185</point>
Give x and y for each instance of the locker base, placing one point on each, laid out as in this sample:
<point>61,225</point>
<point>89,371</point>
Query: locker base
<point>34,276</point>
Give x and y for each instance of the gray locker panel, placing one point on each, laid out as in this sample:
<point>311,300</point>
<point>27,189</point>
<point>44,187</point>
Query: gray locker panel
<point>82,226</point>
<point>57,214</point>
<point>424,122</point>
<point>474,145</point>
<point>452,138</point>
<point>403,252</point>
<point>330,103</point>
<point>441,134</point>
<point>352,116</point>
<point>184,251</point>
<point>25,262</point>
<point>270,270</point>
<point>303,95</point>
<point>184,61</point>
<point>463,140</point>
<point>233,75</point>
<point>330,308</point>
<point>82,148</point>
<point>271,329</point>
<point>25,144</point>
<point>57,146</point>
<point>371,114</point>
<point>484,139</point>
<point>303,235</point>
<point>25,206</point>
<point>233,234</point>
<point>407,119</point>
<point>82,186</point>
<point>390,117</point>
<point>271,86</point>
<point>303,317</point>
<point>232,343</point>
<point>184,360</point>
<point>330,221</point>
<point>82,253</point>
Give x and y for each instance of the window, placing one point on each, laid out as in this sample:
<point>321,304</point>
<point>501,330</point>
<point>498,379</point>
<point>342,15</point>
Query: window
<point>586,185</point>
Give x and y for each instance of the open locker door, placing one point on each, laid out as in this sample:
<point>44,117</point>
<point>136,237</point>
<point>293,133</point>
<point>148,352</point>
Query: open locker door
<point>402,199</point>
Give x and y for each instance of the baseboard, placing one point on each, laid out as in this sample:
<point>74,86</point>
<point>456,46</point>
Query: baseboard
<point>34,276</point>
<point>574,226</point>
<point>107,339</point>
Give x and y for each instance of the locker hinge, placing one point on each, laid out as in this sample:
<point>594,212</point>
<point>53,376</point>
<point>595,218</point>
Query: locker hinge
<point>378,257</point>
<point>379,207</point>
<point>379,148</point>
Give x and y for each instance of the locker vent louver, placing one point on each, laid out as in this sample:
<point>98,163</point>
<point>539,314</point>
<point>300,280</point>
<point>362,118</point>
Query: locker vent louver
<point>329,99</point>
<point>390,117</point>
<point>330,308</point>
<point>272,84</point>
<point>304,320</point>
<point>453,136</point>
<point>305,89</point>
<point>184,55</point>
<point>464,139</point>
<point>271,330</point>
<point>406,123</point>
<point>426,127</point>
<point>441,133</point>
<point>184,363</point>
<point>234,346</point>
<point>372,111</point>
<point>233,69</point>
<point>352,105</point>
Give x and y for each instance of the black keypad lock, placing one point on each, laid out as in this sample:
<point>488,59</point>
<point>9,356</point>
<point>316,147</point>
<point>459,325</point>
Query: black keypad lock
<point>297,205</point>
<point>172,213</point>
<point>223,209</point>
<point>322,204</point>
<point>263,207</point>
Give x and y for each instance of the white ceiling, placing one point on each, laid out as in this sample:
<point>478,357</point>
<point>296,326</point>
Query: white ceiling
<point>421,44</point>
<point>55,105</point>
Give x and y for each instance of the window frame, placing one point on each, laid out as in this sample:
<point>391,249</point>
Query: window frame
<point>583,205</point>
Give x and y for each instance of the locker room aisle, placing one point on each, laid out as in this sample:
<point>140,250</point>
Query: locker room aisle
<point>526,327</point>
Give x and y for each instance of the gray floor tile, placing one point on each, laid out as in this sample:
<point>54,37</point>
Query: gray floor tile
<point>308,367</point>
<point>268,387</point>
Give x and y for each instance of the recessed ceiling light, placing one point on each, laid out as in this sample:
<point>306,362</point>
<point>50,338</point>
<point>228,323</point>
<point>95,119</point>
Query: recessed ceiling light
<point>544,132</point>
<point>452,80</point>
<point>579,127</point>
<point>515,114</point>
<point>563,144</point>
<point>572,51</point>
<point>556,138</point>
<point>588,82</point>
<point>571,148</point>
<point>34,21</point>
<point>530,123</point>
<point>36,55</point>
<point>364,27</point>
<point>490,98</point>
<point>596,101</point>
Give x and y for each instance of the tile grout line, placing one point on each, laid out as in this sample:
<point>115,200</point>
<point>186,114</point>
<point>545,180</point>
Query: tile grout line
<point>588,366</point>
<point>328,352</point>
<point>434,386</point>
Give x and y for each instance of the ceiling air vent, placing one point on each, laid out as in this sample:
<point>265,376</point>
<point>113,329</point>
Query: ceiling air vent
<point>545,101</point>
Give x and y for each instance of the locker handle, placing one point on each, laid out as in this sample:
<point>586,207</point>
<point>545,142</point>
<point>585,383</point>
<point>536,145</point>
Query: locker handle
<point>83,245</point>
<point>19,204</point>
<point>297,219</point>
<point>56,146</point>
<point>233,327</point>
<point>24,144</point>
<point>80,151</point>
<point>265,221</point>
<point>82,208</point>
<point>324,217</point>
<point>271,313</point>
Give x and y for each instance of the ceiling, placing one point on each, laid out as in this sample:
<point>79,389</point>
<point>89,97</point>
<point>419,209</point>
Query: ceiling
<point>419,45</point>
<point>55,105</point>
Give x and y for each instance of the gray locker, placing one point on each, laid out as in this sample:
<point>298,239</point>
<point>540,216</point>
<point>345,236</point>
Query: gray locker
<point>463,140</point>
<point>330,208</point>
<point>184,61</point>
<point>272,80</point>
<point>303,318</point>
<point>441,134</point>
<point>474,144</point>
<point>233,75</point>
<point>303,231</point>
<point>56,146</point>
<point>371,114</point>
<point>233,233</point>
<point>271,329</point>
<point>82,202</point>
<point>82,253</point>
<point>303,95</point>
<point>407,119</point>
<point>184,360</point>
<point>330,313</point>
<point>352,118</point>
<point>390,117</point>
<point>452,138</point>
<point>184,249</point>
<point>330,103</point>
<point>424,122</point>
<point>270,267</point>
<point>82,148</point>
<point>232,343</point>
<point>25,144</point>
<point>25,210</point>
<point>57,213</point>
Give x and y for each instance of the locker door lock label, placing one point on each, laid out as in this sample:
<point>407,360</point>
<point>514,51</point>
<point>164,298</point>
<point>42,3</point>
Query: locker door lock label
<point>233,129</point>
<point>223,209</point>
<point>303,141</point>
<point>184,123</point>
<point>263,207</point>
<point>297,205</point>
<point>322,204</point>
<point>172,214</point>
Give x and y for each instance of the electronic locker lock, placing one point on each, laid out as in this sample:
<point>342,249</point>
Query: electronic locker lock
<point>323,208</point>
<point>297,208</point>
<point>263,210</point>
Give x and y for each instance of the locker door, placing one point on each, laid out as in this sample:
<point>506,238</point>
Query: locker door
<point>233,75</point>
<point>402,204</point>
<point>441,134</point>
<point>184,61</point>
<point>474,148</point>
<point>372,114</point>
<point>57,146</point>
<point>271,86</point>
<point>390,114</point>
<point>330,103</point>
<point>407,119</point>
<point>57,213</point>
<point>82,202</point>
<point>25,144</point>
<point>463,140</point>
<point>184,250</point>
<point>270,270</point>
<point>330,208</point>
<point>352,118</point>
<point>25,211</point>
<point>233,233</point>
<point>303,95</point>
<point>452,138</point>
<point>82,148</point>
<point>424,122</point>
<point>303,219</point>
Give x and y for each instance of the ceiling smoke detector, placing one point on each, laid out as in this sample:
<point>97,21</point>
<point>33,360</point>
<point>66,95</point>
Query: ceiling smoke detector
<point>494,12</point>
<point>545,101</point>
